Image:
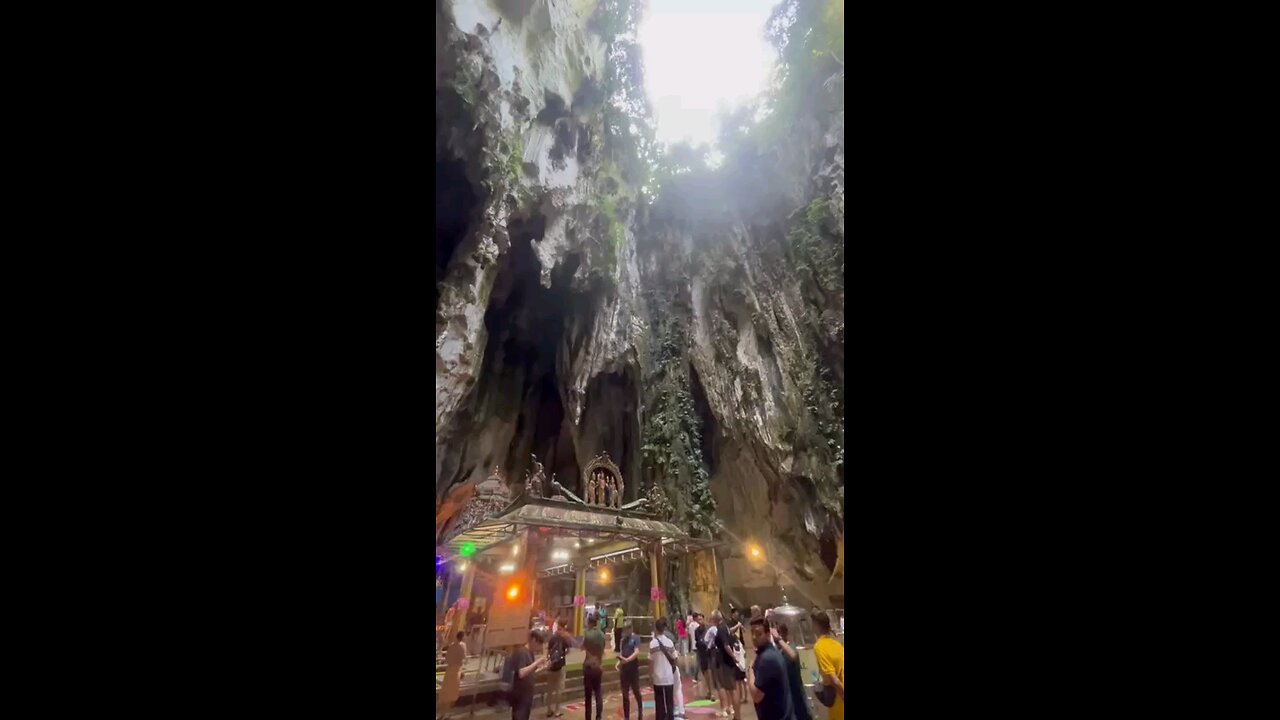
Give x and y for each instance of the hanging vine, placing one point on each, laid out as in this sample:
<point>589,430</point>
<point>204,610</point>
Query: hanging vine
<point>671,437</point>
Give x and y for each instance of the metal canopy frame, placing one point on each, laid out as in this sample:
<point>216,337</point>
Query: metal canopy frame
<point>630,555</point>
<point>578,520</point>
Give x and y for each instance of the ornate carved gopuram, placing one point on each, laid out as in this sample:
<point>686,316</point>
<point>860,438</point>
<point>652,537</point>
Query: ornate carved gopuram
<point>491,497</point>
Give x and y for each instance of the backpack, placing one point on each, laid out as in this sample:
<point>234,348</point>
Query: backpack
<point>556,651</point>
<point>826,694</point>
<point>510,668</point>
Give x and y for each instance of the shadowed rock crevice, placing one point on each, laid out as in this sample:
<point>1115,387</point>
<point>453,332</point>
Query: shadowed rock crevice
<point>456,203</point>
<point>516,407</point>
<point>710,428</point>
<point>611,424</point>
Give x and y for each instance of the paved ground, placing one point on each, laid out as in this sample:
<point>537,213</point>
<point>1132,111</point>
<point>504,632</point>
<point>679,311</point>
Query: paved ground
<point>696,707</point>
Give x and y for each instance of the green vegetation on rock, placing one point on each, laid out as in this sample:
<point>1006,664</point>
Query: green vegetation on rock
<point>672,433</point>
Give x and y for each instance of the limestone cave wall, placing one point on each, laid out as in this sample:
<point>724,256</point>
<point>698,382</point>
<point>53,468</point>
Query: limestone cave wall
<point>698,339</point>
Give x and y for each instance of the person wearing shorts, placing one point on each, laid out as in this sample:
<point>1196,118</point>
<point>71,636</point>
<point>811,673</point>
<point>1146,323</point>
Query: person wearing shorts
<point>726,666</point>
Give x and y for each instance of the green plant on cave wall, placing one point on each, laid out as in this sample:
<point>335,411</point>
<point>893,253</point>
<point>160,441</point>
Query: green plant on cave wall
<point>813,251</point>
<point>671,437</point>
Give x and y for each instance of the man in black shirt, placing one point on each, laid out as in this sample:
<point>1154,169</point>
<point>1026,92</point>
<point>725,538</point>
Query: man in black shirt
<point>629,672</point>
<point>735,626</point>
<point>519,672</point>
<point>593,668</point>
<point>700,652</point>
<point>799,701</point>
<point>768,682</point>
<point>725,663</point>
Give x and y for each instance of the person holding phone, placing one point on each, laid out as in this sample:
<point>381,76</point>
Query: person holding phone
<point>519,672</point>
<point>799,700</point>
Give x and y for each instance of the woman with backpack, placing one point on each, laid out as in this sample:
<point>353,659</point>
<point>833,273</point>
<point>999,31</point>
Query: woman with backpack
<point>557,650</point>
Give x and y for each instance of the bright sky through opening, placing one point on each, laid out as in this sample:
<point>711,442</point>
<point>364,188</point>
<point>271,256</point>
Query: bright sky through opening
<point>702,57</point>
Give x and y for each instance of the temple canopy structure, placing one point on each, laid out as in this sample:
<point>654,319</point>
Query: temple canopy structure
<point>534,545</point>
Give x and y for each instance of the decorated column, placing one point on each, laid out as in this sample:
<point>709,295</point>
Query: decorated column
<point>464,599</point>
<point>579,600</point>
<point>655,586</point>
<point>529,564</point>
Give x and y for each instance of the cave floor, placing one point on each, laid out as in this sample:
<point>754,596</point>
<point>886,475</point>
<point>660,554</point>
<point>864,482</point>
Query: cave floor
<point>696,706</point>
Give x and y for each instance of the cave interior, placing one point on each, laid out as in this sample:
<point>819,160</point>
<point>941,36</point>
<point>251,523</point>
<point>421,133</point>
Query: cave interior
<point>517,405</point>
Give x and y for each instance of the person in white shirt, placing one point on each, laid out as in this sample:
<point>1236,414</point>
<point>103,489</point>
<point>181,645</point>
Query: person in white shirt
<point>691,627</point>
<point>663,659</point>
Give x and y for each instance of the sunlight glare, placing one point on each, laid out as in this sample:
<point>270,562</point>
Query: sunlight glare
<point>702,57</point>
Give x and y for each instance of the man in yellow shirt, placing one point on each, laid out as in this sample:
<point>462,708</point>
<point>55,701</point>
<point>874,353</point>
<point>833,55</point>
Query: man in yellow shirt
<point>830,654</point>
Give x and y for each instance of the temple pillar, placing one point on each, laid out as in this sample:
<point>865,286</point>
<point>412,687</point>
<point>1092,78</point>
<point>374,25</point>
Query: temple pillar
<point>655,559</point>
<point>529,566</point>
<point>468,581</point>
<point>579,590</point>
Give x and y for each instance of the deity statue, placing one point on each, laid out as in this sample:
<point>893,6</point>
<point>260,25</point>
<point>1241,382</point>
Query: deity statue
<point>658,504</point>
<point>533,483</point>
<point>621,487</point>
<point>560,491</point>
<point>554,489</point>
<point>606,494</point>
<point>591,490</point>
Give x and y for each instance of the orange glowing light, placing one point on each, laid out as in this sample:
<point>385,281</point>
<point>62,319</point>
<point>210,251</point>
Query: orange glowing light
<point>513,592</point>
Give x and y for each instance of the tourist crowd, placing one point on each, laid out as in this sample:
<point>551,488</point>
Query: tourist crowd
<point>712,650</point>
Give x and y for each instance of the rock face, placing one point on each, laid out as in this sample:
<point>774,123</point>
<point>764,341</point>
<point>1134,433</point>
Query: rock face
<point>536,271</point>
<point>698,340</point>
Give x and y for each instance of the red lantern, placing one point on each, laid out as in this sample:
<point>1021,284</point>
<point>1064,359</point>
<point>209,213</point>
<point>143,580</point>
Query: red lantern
<point>579,600</point>
<point>464,603</point>
<point>655,593</point>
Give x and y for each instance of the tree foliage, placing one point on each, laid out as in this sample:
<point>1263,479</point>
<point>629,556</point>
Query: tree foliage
<point>808,36</point>
<point>628,117</point>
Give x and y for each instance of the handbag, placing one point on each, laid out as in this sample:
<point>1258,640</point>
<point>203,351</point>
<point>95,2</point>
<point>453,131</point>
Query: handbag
<point>666,652</point>
<point>826,695</point>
